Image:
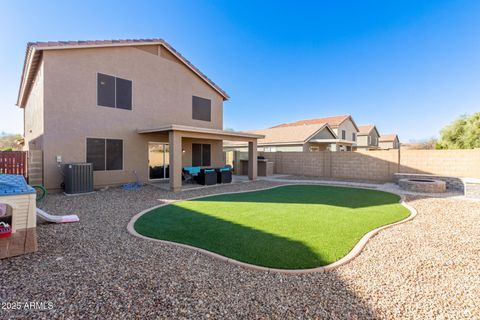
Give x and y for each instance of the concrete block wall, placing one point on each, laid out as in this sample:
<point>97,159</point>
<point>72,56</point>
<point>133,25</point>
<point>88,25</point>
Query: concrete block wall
<point>379,165</point>
<point>453,163</point>
<point>369,165</point>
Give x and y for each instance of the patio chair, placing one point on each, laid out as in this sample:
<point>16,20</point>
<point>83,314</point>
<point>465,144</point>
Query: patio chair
<point>187,177</point>
<point>207,177</point>
<point>224,175</point>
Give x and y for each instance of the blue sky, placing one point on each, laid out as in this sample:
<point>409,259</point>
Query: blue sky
<point>407,66</point>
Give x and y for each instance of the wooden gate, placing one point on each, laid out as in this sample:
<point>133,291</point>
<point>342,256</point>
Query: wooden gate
<point>13,162</point>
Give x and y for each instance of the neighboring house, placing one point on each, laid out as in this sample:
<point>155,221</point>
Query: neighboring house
<point>308,138</point>
<point>110,102</point>
<point>343,126</point>
<point>389,141</point>
<point>367,137</point>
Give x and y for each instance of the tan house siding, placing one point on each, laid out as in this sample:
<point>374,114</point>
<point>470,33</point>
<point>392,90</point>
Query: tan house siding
<point>389,144</point>
<point>349,128</point>
<point>324,134</point>
<point>368,141</point>
<point>362,141</point>
<point>34,113</point>
<point>162,93</point>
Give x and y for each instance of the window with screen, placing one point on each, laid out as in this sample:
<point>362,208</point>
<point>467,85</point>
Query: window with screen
<point>96,153</point>
<point>114,92</point>
<point>201,109</point>
<point>354,136</point>
<point>201,155</point>
<point>105,154</point>
<point>343,134</point>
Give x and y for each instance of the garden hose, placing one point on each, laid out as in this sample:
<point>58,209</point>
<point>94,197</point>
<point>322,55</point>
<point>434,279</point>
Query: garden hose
<point>41,192</point>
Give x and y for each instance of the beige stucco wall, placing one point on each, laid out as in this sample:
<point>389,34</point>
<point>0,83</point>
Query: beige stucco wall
<point>161,95</point>
<point>216,151</point>
<point>33,113</point>
<point>315,147</point>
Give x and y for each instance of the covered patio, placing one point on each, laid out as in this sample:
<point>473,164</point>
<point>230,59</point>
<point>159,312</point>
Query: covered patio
<point>180,137</point>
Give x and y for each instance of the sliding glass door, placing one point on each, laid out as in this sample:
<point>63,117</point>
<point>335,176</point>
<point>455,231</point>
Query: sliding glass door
<point>158,160</point>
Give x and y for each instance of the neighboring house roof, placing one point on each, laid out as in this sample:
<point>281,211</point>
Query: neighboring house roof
<point>388,137</point>
<point>364,130</point>
<point>287,135</point>
<point>35,49</point>
<point>333,121</point>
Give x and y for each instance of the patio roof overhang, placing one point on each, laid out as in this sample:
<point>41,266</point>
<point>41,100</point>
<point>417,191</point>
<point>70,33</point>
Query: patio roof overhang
<point>176,133</point>
<point>204,133</point>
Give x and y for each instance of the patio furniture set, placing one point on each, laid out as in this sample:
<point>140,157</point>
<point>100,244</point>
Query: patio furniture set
<point>207,176</point>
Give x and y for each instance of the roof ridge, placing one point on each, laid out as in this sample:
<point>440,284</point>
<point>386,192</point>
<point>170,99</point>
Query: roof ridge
<point>33,47</point>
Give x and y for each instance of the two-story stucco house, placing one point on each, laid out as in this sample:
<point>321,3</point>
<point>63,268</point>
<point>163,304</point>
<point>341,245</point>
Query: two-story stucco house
<point>389,141</point>
<point>121,104</point>
<point>343,126</point>
<point>337,133</point>
<point>304,138</point>
<point>367,137</point>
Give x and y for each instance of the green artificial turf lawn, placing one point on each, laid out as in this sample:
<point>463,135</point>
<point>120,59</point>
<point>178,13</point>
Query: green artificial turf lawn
<point>289,227</point>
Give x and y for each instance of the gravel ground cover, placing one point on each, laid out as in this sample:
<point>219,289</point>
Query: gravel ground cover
<point>426,268</point>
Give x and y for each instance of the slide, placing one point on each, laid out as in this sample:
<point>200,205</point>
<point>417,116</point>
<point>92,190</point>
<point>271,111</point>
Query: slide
<point>56,219</point>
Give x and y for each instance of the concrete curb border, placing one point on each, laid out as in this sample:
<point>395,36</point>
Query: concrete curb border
<point>356,250</point>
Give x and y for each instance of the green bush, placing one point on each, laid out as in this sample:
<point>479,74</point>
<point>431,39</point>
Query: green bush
<point>463,133</point>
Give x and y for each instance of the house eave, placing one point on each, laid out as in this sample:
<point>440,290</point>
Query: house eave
<point>34,50</point>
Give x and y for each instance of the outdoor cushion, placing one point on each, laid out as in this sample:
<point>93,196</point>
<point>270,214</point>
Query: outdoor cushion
<point>192,170</point>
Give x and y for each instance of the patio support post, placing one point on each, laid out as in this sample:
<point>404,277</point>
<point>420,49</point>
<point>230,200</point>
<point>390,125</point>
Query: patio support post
<point>252,160</point>
<point>175,141</point>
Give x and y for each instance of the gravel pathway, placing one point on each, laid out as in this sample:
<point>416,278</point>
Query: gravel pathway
<point>426,268</point>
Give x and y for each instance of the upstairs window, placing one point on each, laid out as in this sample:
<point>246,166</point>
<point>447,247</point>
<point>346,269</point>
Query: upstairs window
<point>114,92</point>
<point>344,135</point>
<point>354,136</point>
<point>105,154</point>
<point>201,155</point>
<point>201,109</point>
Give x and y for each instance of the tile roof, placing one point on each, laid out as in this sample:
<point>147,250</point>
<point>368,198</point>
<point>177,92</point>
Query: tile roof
<point>365,129</point>
<point>333,121</point>
<point>286,135</point>
<point>34,48</point>
<point>388,137</point>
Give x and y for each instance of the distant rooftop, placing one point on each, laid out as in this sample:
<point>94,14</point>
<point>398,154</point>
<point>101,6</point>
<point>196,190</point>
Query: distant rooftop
<point>388,137</point>
<point>333,121</point>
